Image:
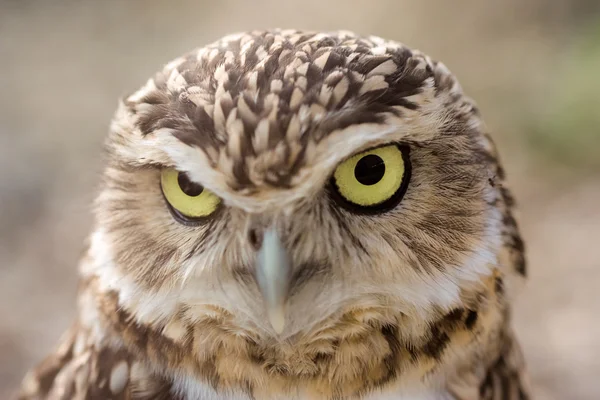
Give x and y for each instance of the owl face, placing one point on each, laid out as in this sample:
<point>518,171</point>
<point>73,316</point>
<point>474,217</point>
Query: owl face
<point>292,178</point>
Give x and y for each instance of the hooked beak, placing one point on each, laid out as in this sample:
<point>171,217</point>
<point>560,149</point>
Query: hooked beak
<point>273,273</point>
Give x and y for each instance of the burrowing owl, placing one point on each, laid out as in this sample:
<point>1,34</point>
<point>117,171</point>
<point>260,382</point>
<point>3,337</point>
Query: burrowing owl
<point>296,215</point>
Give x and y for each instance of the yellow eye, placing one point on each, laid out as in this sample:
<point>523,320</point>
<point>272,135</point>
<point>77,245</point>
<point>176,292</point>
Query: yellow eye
<point>186,197</point>
<point>375,179</point>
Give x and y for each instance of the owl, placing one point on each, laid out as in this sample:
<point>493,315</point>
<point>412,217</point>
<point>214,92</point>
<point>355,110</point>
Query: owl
<point>296,215</point>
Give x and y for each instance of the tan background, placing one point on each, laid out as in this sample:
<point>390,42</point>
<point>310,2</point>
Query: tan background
<point>533,66</point>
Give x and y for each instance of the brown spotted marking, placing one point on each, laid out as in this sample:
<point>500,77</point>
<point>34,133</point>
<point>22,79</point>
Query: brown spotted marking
<point>81,370</point>
<point>385,356</point>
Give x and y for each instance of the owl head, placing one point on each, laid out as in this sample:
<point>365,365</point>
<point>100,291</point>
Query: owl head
<point>279,181</point>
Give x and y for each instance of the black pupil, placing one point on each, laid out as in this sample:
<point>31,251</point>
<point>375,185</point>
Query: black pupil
<point>188,187</point>
<point>369,170</point>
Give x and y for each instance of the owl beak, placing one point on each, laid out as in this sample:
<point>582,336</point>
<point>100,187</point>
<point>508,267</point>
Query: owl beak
<point>273,272</point>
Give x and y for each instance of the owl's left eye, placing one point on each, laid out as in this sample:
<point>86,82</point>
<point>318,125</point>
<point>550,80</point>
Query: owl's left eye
<point>374,180</point>
<point>187,198</point>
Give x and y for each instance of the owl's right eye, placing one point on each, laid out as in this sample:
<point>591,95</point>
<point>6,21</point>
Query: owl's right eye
<point>187,198</point>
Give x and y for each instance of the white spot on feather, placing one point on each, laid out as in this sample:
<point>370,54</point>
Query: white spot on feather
<point>175,330</point>
<point>201,54</point>
<point>294,38</point>
<point>276,86</point>
<point>245,112</point>
<point>340,90</point>
<point>289,72</point>
<point>293,130</point>
<point>119,377</point>
<point>373,83</point>
<point>229,58</point>
<point>245,39</point>
<point>321,61</point>
<point>246,46</point>
<point>333,77</point>
<point>303,69</point>
<point>261,53</point>
<point>272,100</point>
<point>213,53</point>
<point>384,68</point>
<point>379,50</point>
<point>235,127</point>
<point>221,75</point>
<point>325,94</point>
<point>176,81</point>
<point>302,83</point>
<point>219,119</point>
<point>261,136</point>
<point>296,98</point>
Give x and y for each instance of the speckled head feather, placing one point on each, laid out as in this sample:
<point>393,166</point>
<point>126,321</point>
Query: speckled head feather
<point>410,301</point>
<point>266,107</point>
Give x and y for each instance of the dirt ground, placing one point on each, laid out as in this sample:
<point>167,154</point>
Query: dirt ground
<point>63,64</point>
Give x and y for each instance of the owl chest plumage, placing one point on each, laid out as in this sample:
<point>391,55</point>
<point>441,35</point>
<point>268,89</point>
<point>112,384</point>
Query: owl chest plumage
<point>112,354</point>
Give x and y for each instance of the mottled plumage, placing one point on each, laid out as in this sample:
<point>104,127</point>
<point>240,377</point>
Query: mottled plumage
<point>410,303</point>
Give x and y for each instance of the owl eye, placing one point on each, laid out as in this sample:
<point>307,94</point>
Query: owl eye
<point>187,198</point>
<point>373,181</point>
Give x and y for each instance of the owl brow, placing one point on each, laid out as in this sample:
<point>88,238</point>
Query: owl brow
<point>138,165</point>
<point>371,147</point>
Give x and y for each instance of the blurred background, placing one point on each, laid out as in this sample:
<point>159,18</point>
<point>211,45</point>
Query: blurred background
<point>532,65</point>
